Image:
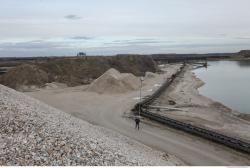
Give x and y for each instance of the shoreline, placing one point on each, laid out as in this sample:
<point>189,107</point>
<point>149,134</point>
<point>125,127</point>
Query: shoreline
<point>243,115</point>
<point>202,111</point>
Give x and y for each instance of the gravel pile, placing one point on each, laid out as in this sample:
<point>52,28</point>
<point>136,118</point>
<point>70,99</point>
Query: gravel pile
<point>33,133</point>
<point>112,81</point>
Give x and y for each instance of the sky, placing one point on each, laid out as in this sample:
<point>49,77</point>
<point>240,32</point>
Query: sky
<point>108,27</point>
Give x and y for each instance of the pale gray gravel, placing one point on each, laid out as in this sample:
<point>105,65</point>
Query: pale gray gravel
<point>33,133</point>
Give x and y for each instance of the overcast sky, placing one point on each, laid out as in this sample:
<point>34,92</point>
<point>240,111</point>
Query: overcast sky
<point>64,27</point>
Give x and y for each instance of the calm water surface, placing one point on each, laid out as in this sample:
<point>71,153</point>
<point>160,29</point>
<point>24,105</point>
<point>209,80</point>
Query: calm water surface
<point>227,82</point>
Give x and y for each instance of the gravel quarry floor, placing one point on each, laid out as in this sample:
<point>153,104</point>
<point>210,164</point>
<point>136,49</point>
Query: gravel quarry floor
<point>33,133</point>
<point>112,111</point>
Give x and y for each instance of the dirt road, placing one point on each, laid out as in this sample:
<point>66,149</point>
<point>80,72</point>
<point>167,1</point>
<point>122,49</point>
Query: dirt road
<point>111,111</point>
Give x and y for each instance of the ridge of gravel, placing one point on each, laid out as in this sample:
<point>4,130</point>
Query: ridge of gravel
<point>33,133</point>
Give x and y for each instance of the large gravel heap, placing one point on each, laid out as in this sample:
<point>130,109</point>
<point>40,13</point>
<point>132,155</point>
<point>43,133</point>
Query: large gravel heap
<point>33,133</point>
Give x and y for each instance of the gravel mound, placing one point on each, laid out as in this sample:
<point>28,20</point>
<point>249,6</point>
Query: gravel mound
<point>72,71</point>
<point>112,81</point>
<point>25,77</point>
<point>33,133</point>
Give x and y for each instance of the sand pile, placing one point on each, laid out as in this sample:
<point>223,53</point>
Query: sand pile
<point>112,81</point>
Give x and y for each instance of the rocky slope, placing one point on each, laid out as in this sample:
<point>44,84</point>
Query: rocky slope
<point>33,133</point>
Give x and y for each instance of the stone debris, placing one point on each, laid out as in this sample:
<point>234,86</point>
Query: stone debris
<point>150,75</point>
<point>33,133</point>
<point>55,85</point>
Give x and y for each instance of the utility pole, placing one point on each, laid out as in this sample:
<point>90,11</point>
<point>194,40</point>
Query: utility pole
<point>141,79</point>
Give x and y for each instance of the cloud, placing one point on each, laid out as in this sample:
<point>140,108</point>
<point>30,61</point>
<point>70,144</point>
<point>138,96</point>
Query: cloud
<point>70,45</point>
<point>81,38</point>
<point>242,38</point>
<point>222,35</point>
<point>72,17</point>
<point>32,45</point>
<point>36,48</point>
<point>138,42</point>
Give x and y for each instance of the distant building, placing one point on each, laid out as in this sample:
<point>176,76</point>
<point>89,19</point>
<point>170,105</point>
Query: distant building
<point>81,54</point>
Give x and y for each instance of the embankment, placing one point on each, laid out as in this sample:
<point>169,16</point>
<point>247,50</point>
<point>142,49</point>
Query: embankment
<point>74,71</point>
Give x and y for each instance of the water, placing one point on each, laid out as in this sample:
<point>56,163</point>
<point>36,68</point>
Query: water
<point>227,82</point>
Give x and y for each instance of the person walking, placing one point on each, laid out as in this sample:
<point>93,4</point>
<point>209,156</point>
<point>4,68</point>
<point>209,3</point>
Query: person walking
<point>137,123</point>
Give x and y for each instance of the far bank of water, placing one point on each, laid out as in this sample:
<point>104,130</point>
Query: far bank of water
<point>227,82</point>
